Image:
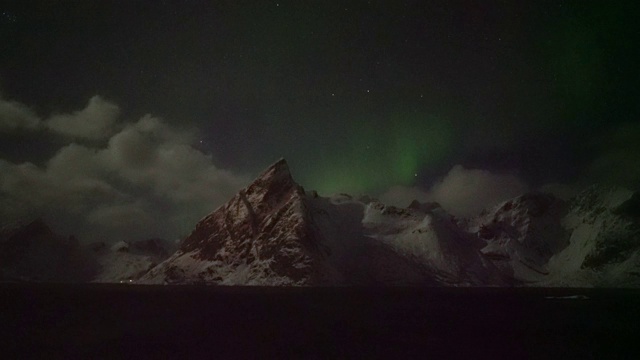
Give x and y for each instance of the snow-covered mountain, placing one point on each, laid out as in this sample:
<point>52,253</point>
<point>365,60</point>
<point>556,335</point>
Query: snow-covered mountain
<point>262,236</point>
<point>591,240</point>
<point>274,233</point>
<point>604,243</point>
<point>522,234</point>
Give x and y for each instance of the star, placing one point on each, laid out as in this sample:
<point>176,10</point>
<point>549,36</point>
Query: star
<point>8,17</point>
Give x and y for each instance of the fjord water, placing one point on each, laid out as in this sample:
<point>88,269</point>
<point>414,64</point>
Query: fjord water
<point>120,321</point>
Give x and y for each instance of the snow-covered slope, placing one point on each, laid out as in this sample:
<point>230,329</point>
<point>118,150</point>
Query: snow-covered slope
<point>357,257</point>
<point>604,246</point>
<point>522,234</point>
<point>593,240</point>
<point>431,236</point>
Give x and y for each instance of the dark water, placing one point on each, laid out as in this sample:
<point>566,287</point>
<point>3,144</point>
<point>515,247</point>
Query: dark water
<point>109,321</point>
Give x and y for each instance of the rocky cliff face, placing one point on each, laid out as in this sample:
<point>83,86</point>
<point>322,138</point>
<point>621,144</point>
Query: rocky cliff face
<point>262,236</point>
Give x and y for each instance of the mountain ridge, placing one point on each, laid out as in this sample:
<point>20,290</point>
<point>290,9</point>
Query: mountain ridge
<point>274,233</point>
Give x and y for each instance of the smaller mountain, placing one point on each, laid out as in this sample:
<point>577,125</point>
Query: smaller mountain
<point>125,262</point>
<point>33,252</point>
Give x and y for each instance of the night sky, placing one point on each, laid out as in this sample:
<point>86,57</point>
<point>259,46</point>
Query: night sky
<point>128,112</point>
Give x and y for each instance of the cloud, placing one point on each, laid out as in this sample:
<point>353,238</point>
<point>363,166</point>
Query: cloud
<point>121,216</point>
<point>14,115</point>
<point>96,121</point>
<point>466,192</point>
<point>146,180</point>
<point>462,192</point>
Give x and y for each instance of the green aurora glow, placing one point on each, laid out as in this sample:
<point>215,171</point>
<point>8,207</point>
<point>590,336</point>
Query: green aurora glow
<point>382,154</point>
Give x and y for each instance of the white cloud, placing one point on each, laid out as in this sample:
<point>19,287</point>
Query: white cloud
<point>462,192</point>
<point>466,192</point>
<point>145,181</point>
<point>14,115</point>
<point>96,121</point>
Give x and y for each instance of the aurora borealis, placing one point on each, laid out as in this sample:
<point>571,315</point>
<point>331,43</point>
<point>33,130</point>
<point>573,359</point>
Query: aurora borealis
<point>404,142</point>
<point>359,97</point>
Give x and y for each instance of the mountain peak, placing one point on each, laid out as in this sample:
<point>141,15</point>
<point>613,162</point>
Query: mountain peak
<point>260,236</point>
<point>276,172</point>
<point>279,166</point>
